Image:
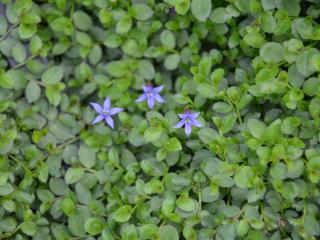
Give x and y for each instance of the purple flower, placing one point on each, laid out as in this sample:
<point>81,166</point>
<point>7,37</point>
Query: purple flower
<point>105,112</point>
<point>151,94</point>
<point>188,119</point>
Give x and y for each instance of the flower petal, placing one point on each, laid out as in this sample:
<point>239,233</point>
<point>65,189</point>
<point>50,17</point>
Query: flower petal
<point>96,107</point>
<point>188,128</point>
<point>106,104</point>
<point>179,124</point>
<point>194,115</point>
<point>114,111</point>
<point>196,123</point>
<point>109,121</point>
<point>147,88</point>
<point>150,101</point>
<point>182,115</point>
<point>158,98</point>
<point>97,119</point>
<point>142,98</point>
<point>158,89</point>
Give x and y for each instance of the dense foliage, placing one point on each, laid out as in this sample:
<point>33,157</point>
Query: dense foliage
<point>250,67</point>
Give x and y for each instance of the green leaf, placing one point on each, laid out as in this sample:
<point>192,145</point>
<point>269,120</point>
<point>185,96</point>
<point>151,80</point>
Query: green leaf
<point>60,131</point>
<point>303,62</point>
<point>228,123</point>
<point>205,67</point>
<point>129,232</point>
<point>278,171</point>
<point>112,40</point>
<point>244,176</point>
<point>131,48</point>
<point>206,90</point>
<point>186,204</point>
<point>168,39</point>
<point>243,228</point>
<point>73,175</point>
<point>68,206</point>
<point>311,225</point>
<point>207,135</point>
<point>313,167</point>
<point>311,87</point>
<point>168,232</point>
<point>6,189</point>
<point>172,61</point>
<point>29,228</point>
<point>21,6</point>
<point>33,91</point>
<point>168,205</point>
<point>154,186</point>
<point>152,133</point>
<point>243,5</point>
<point>292,7</point>
<point>83,39</point>
<point>93,226</point>
<point>27,30</point>
<point>141,12</point>
<point>119,68</point>
<point>76,224</point>
<point>53,93</point>
<point>173,145</point>
<point>146,69</point>
<point>182,6</point>
<point>87,156</point>
<point>254,39</point>
<point>201,9</point>
<point>18,52</point>
<point>222,107</point>
<point>82,20</point>
<point>226,232</point>
<point>3,25</point>
<point>45,195</point>
<point>95,55</point>
<point>315,62</point>
<point>52,75</point>
<point>62,24</point>
<point>123,214</point>
<point>273,132</point>
<point>124,24</point>
<point>35,45</point>
<point>290,190</point>
<point>256,127</point>
<point>220,15</point>
<point>161,154</point>
<point>148,231</point>
<point>153,167</point>
<point>272,52</point>
<point>6,81</point>
<point>268,22</point>
<point>113,155</point>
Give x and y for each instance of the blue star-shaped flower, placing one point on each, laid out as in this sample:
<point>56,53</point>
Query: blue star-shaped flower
<point>105,112</point>
<point>151,94</point>
<point>188,120</point>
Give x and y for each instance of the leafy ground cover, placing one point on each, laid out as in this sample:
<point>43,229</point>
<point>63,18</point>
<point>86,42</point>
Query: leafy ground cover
<point>162,120</point>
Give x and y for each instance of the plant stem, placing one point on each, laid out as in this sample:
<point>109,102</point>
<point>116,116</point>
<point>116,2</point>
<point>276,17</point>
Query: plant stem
<point>9,31</point>
<point>24,62</point>
<point>19,163</point>
<point>72,140</point>
<point>238,114</point>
